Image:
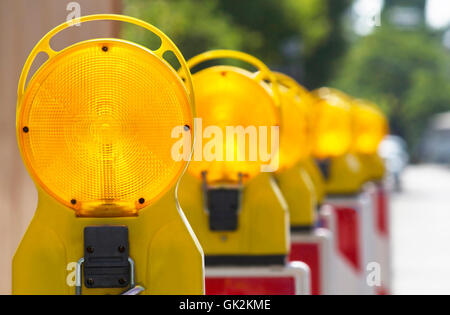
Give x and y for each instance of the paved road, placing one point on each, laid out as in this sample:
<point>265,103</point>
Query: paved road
<point>421,232</point>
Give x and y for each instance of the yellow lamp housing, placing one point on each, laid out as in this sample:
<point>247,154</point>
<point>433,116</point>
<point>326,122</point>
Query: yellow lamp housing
<point>293,179</point>
<point>371,126</point>
<point>333,140</point>
<point>308,163</point>
<point>237,100</point>
<point>94,128</point>
<point>333,123</point>
<point>235,209</point>
<point>316,176</point>
<point>296,123</point>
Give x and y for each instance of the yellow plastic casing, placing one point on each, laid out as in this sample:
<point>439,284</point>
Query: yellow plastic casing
<point>346,175</point>
<point>333,140</point>
<point>374,167</point>
<point>296,129</point>
<point>293,179</point>
<point>159,235</point>
<point>298,190</point>
<point>263,226</point>
<point>310,166</point>
<point>371,126</point>
<point>168,257</point>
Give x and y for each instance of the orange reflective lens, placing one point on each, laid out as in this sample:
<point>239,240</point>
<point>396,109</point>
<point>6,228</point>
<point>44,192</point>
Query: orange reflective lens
<point>333,124</point>
<point>95,126</point>
<point>295,137</point>
<point>370,127</point>
<point>232,106</point>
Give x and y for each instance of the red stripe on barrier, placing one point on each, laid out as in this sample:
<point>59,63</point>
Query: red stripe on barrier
<point>250,286</point>
<point>382,291</point>
<point>382,211</point>
<point>348,235</point>
<point>309,253</point>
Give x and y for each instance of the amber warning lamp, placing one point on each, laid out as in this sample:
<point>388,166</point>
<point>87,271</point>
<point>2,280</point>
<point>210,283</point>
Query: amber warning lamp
<point>91,123</point>
<point>231,96</point>
<point>370,126</point>
<point>296,129</point>
<point>332,123</point>
<point>94,128</point>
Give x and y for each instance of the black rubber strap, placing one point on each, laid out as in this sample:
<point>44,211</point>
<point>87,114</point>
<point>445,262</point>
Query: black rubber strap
<point>245,260</point>
<point>302,228</point>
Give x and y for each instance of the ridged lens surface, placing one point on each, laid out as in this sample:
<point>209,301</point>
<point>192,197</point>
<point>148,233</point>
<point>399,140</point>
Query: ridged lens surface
<point>99,118</point>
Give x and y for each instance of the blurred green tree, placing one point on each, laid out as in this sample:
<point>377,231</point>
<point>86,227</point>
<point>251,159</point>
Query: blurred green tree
<point>289,35</point>
<point>323,62</point>
<point>301,38</point>
<point>194,26</point>
<point>406,72</point>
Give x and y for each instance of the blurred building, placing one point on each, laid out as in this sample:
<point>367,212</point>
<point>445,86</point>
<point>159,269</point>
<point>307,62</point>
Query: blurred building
<point>435,146</point>
<point>405,13</point>
<point>22,24</point>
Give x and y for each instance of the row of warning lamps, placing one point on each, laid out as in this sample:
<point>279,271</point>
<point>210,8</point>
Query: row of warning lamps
<point>331,119</point>
<point>325,123</point>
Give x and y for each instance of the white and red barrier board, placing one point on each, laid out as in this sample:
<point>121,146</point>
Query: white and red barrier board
<point>352,224</point>
<point>316,250</point>
<point>292,279</point>
<point>382,237</point>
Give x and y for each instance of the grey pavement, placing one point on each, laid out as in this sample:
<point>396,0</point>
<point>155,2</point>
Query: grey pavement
<point>421,232</point>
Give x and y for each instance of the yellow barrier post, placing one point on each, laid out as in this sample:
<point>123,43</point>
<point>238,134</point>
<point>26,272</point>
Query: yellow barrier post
<point>309,243</point>
<point>94,128</point>
<point>229,194</point>
<point>294,181</point>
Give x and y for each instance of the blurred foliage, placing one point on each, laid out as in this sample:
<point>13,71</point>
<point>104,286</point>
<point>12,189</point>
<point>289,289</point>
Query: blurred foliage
<point>321,65</point>
<point>294,36</point>
<point>406,72</point>
<point>301,38</point>
<point>194,26</point>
